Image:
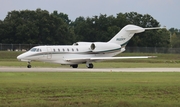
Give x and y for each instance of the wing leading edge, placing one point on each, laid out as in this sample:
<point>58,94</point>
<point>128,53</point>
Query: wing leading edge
<point>106,58</point>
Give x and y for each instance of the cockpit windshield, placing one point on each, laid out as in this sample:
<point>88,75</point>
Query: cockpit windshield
<point>35,50</point>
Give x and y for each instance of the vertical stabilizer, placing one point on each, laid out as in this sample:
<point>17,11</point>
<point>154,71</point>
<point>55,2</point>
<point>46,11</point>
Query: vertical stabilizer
<point>125,34</point>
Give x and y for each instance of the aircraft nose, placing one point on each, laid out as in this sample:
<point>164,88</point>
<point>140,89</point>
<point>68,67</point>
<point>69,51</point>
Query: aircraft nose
<point>19,57</point>
<point>23,57</point>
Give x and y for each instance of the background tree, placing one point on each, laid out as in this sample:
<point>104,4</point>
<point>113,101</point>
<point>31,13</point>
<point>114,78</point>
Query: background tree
<point>35,27</point>
<point>174,37</point>
<point>42,27</point>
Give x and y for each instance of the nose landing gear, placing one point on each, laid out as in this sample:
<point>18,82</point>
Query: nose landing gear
<point>29,65</point>
<point>90,65</point>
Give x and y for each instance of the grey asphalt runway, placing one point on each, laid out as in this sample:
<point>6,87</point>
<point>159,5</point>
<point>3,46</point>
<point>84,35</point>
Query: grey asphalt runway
<point>15,69</point>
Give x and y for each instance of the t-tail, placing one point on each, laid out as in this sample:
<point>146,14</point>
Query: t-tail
<point>126,33</point>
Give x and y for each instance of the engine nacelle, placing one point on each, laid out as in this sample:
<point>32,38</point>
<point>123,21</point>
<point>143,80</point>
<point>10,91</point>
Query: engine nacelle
<point>104,47</point>
<point>100,46</point>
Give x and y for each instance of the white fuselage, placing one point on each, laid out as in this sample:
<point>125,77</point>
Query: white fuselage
<point>61,54</point>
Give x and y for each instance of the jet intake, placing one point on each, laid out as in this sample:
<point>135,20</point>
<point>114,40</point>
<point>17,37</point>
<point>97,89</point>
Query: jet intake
<point>93,46</point>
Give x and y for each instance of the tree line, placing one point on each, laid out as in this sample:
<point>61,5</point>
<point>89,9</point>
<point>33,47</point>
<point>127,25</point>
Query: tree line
<point>44,28</point>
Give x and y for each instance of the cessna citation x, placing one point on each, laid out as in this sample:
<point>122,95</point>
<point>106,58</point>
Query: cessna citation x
<point>84,52</point>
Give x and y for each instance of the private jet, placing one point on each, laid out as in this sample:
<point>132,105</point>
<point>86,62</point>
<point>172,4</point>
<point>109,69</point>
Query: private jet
<point>84,52</point>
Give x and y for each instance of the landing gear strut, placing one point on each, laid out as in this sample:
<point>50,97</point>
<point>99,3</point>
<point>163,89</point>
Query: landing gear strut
<point>29,65</point>
<point>74,66</point>
<point>90,65</point>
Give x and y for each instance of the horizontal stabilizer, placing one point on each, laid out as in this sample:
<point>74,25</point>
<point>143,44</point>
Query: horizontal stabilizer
<point>154,28</point>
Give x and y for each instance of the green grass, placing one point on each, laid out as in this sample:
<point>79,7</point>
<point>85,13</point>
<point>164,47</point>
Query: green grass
<point>84,89</point>
<point>89,89</point>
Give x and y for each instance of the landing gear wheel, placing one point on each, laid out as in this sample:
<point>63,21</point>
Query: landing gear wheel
<point>29,65</point>
<point>90,65</point>
<point>74,66</point>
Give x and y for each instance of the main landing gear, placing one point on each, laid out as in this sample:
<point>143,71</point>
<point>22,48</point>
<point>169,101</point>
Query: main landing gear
<point>74,66</point>
<point>88,65</point>
<point>29,65</point>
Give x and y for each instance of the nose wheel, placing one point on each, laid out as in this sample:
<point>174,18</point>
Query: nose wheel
<point>29,65</point>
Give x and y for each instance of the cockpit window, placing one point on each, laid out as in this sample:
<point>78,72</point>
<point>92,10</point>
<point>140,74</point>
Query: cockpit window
<point>33,50</point>
<point>37,50</point>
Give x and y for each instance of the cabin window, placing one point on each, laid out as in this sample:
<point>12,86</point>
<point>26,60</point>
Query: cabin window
<point>63,50</point>
<point>54,50</point>
<point>59,50</point>
<point>67,49</point>
<point>72,49</point>
<point>77,49</point>
<point>40,50</point>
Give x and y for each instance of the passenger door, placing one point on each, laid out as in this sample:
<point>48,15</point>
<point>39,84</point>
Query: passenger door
<point>49,52</point>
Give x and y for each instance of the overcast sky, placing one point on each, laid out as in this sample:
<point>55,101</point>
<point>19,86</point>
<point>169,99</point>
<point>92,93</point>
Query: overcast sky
<point>167,12</point>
